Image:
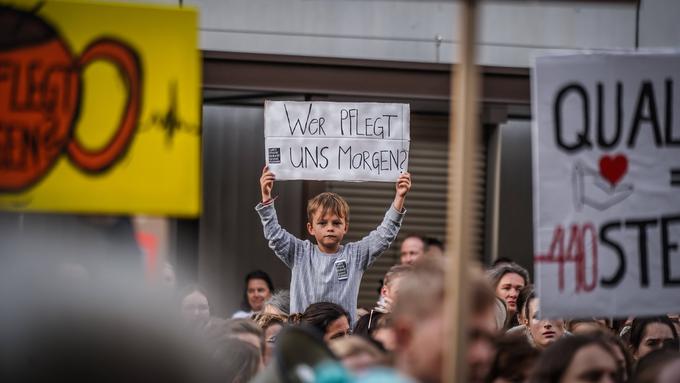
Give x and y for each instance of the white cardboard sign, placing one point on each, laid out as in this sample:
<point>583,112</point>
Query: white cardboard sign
<point>606,172</point>
<point>336,141</point>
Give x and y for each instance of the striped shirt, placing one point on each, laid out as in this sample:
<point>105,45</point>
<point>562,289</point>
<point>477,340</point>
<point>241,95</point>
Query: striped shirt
<point>319,277</point>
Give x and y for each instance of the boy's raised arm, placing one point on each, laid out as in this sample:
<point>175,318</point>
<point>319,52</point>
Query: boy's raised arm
<point>377,241</point>
<point>403,187</point>
<point>266,184</point>
<point>285,245</point>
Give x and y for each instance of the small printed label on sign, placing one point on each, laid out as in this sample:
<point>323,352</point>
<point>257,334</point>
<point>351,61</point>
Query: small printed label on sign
<point>341,268</point>
<point>274,155</point>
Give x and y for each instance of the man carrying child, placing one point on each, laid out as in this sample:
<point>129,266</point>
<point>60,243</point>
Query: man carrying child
<point>328,271</point>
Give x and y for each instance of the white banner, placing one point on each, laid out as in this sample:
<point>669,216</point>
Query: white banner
<point>336,141</point>
<point>606,171</point>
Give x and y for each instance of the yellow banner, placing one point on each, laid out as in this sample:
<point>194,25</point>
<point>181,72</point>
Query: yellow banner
<point>99,108</point>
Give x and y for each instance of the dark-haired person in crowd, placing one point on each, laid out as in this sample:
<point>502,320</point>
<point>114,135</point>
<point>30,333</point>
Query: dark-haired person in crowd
<point>651,366</point>
<point>412,249</point>
<point>575,359</point>
<point>541,332</point>
<point>652,333</point>
<point>195,307</point>
<point>514,360</point>
<point>508,279</point>
<point>330,319</point>
<point>624,359</point>
<point>258,288</point>
<point>433,247</point>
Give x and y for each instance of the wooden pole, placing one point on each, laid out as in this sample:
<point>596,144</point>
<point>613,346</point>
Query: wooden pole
<point>461,229</point>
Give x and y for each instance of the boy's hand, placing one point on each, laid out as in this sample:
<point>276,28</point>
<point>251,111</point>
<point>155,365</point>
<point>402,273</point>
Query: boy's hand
<point>403,184</point>
<point>266,183</point>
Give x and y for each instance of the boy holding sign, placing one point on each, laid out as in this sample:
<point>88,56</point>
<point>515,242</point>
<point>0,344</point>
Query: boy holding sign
<point>328,271</point>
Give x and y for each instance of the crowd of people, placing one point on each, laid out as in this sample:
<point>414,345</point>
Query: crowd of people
<point>402,338</point>
<point>314,330</point>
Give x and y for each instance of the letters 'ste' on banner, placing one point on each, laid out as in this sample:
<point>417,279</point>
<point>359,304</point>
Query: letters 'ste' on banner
<point>606,142</point>
<point>336,141</point>
<point>99,108</point>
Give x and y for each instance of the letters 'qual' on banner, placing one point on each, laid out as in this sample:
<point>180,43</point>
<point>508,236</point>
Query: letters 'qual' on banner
<point>606,171</point>
<point>336,141</point>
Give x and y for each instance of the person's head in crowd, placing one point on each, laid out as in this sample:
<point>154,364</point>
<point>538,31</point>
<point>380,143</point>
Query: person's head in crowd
<point>485,313</point>
<point>356,353</point>
<point>367,324</point>
<point>585,326</point>
<point>271,325</point>
<point>652,333</point>
<point>390,288</point>
<point>328,220</point>
<point>486,318</point>
<point>508,279</point>
<point>514,360</point>
<point>624,359</point>
<point>258,288</point>
<point>541,332</point>
<point>412,249</point>
<point>329,319</point>
<point>575,359</point>
<point>418,321</point>
<point>650,366</point>
<point>433,247</point>
<point>521,302</point>
<point>480,353</point>
<point>247,331</point>
<point>194,306</point>
<point>238,361</point>
<point>384,333</point>
<point>278,303</point>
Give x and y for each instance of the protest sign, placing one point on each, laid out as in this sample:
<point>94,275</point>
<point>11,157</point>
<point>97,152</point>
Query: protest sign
<point>336,141</point>
<point>606,171</point>
<point>99,114</point>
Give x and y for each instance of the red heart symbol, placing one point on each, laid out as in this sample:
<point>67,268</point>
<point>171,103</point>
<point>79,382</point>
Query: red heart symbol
<point>613,168</point>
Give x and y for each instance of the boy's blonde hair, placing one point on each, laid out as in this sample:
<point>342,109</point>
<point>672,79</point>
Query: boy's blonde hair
<point>328,202</point>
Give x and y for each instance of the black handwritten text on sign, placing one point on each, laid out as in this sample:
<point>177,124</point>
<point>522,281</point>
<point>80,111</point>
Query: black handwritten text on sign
<point>607,182</point>
<point>337,141</point>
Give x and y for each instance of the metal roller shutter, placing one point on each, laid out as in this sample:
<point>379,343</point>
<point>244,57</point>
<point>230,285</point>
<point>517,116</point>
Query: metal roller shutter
<point>425,203</point>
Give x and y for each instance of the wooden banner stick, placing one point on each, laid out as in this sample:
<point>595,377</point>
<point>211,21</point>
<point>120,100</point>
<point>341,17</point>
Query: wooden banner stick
<point>461,229</point>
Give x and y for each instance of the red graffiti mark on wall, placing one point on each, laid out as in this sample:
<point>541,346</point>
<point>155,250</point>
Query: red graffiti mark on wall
<point>574,250</point>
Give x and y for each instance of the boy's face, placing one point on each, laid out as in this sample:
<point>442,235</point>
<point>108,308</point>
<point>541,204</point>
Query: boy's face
<point>328,230</point>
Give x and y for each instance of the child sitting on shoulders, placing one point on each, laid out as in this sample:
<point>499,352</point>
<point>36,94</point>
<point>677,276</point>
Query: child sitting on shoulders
<point>328,271</point>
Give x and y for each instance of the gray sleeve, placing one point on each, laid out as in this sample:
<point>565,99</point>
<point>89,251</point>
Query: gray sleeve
<point>369,248</point>
<point>285,245</point>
